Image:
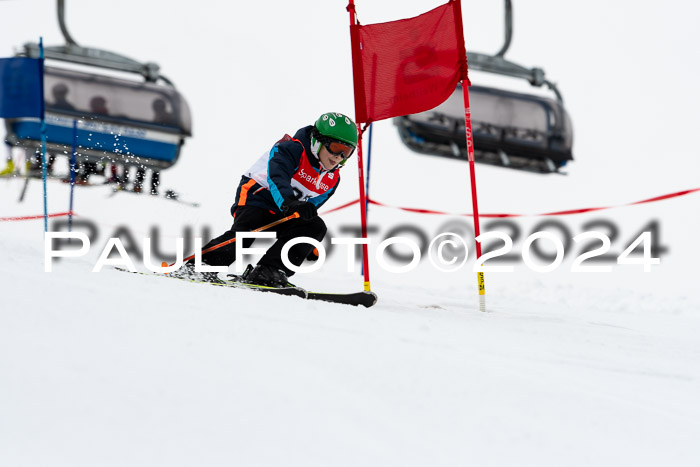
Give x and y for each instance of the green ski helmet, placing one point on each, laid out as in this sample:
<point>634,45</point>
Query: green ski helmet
<point>334,127</point>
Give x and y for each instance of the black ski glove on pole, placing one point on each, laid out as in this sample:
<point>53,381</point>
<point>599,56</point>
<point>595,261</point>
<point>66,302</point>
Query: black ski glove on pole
<point>306,210</point>
<point>313,256</point>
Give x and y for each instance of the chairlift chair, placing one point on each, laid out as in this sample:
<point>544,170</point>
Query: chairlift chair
<point>133,123</point>
<point>510,129</point>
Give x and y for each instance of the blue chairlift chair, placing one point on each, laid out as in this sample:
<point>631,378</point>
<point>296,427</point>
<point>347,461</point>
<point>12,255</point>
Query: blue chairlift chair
<point>510,129</point>
<point>132,123</point>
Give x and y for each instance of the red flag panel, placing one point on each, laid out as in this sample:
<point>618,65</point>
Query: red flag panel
<point>407,66</point>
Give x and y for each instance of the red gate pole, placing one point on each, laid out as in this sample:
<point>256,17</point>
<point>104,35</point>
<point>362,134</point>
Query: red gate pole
<point>475,204</point>
<point>357,62</point>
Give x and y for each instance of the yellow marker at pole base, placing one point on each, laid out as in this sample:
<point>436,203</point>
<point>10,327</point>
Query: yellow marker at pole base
<point>367,287</point>
<point>482,291</point>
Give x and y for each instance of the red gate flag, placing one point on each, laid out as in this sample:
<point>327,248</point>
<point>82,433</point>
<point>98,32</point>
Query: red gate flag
<point>408,66</point>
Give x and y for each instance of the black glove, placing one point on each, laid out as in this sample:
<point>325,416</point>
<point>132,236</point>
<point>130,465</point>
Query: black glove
<point>306,210</point>
<point>313,256</point>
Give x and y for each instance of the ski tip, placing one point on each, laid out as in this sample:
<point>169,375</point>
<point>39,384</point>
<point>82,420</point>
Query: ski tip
<point>365,298</point>
<point>373,300</point>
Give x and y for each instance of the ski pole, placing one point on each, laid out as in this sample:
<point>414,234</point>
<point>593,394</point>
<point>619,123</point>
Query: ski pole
<point>227,242</point>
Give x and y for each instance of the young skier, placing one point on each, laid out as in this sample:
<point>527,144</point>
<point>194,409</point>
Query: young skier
<point>298,174</point>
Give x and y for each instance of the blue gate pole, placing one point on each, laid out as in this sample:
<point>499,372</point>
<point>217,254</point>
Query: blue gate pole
<point>369,166</point>
<point>43,131</point>
<point>74,150</point>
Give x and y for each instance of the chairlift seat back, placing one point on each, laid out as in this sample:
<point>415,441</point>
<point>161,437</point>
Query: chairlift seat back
<point>129,122</point>
<point>524,130</point>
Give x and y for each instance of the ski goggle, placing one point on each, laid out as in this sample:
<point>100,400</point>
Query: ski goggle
<point>339,149</point>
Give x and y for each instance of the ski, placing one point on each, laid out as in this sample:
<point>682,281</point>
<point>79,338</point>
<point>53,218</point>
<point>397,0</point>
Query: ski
<point>174,196</point>
<point>289,291</point>
<point>366,298</point>
<point>24,189</point>
<point>169,195</point>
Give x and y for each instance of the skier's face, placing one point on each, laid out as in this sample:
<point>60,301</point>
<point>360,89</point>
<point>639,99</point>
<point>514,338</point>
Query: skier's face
<point>328,161</point>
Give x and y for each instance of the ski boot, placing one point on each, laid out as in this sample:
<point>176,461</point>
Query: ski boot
<point>267,276</point>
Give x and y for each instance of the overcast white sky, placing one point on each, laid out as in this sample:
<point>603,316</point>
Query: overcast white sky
<point>254,70</point>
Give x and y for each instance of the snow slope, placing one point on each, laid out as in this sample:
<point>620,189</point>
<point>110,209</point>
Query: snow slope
<point>112,369</point>
<point>599,369</point>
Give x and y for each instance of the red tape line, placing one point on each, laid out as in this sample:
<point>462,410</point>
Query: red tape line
<point>28,218</point>
<point>346,205</point>
<point>556,213</point>
<point>428,211</point>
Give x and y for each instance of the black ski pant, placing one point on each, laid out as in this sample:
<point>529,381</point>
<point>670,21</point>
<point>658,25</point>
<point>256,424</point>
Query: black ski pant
<point>249,218</point>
